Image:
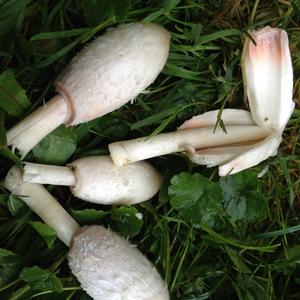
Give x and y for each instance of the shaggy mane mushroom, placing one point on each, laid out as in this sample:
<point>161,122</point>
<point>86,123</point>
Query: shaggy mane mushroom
<point>105,75</point>
<point>106,265</point>
<point>249,138</point>
<point>96,179</point>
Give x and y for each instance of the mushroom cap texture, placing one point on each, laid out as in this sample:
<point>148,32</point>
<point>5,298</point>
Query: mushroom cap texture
<point>268,73</point>
<point>113,70</point>
<point>98,180</point>
<point>109,267</point>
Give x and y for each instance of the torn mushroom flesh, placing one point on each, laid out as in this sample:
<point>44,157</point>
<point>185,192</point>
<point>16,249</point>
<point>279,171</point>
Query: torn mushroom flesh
<point>248,138</point>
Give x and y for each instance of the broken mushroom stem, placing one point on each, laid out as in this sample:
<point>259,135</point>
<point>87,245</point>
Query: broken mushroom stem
<point>191,139</point>
<point>49,174</point>
<point>32,129</point>
<point>106,265</point>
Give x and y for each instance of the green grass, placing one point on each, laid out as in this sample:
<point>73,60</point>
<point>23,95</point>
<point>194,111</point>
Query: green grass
<point>234,253</point>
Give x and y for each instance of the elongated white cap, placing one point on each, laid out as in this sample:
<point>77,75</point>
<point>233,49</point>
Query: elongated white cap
<point>229,116</point>
<point>216,156</point>
<point>268,76</point>
<point>109,267</point>
<point>108,73</point>
<point>252,156</point>
<point>268,79</point>
<point>98,180</point>
<point>113,70</point>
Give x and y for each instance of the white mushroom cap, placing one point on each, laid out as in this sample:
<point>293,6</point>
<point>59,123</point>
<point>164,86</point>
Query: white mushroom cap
<point>113,70</point>
<point>98,180</point>
<point>106,265</point>
<point>108,73</point>
<point>110,268</point>
<point>268,77</point>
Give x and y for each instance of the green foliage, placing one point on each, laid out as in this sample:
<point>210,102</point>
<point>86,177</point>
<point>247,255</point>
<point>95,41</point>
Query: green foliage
<point>200,201</point>
<point>252,287</point>
<point>13,99</point>
<point>16,206</point>
<point>58,34</point>
<point>57,55</point>
<point>2,129</point>
<point>241,199</point>
<point>293,253</point>
<point>9,155</point>
<point>88,215</point>
<point>197,199</point>
<point>296,8</point>
<point>11,13</point>
<point>45,231</point>
<point>127,220</point>
<point>7,258</point>
<point>57,147</point>
<point>170,4</point>
<point>41,280</point>
<point>96,11</point>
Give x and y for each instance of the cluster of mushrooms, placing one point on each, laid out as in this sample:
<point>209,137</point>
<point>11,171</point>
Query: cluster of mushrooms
<point>108,73</point>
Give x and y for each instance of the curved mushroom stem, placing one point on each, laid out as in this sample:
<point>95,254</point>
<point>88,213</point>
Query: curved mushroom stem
<point>43,204</point>
<point>130,151</point>
<point>31,130</point>
<point>48,174</point>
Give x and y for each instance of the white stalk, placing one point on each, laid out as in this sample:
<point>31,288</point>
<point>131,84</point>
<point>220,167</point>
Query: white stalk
<point>43,204</point>
<point>31,130</point>
<point>130,151</point>
<point>47,174</point>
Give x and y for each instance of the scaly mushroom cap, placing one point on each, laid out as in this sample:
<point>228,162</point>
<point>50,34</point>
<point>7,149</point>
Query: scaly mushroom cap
<point>113,70</point>
<point>98,180</point>
<point>109,267</point>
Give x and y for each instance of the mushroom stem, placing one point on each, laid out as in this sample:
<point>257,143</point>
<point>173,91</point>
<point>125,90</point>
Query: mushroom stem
<point>31,130</point>
<point>130,151</point>
<point>106,265</point>
<point>48,174</point>
<point>43,204</point>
